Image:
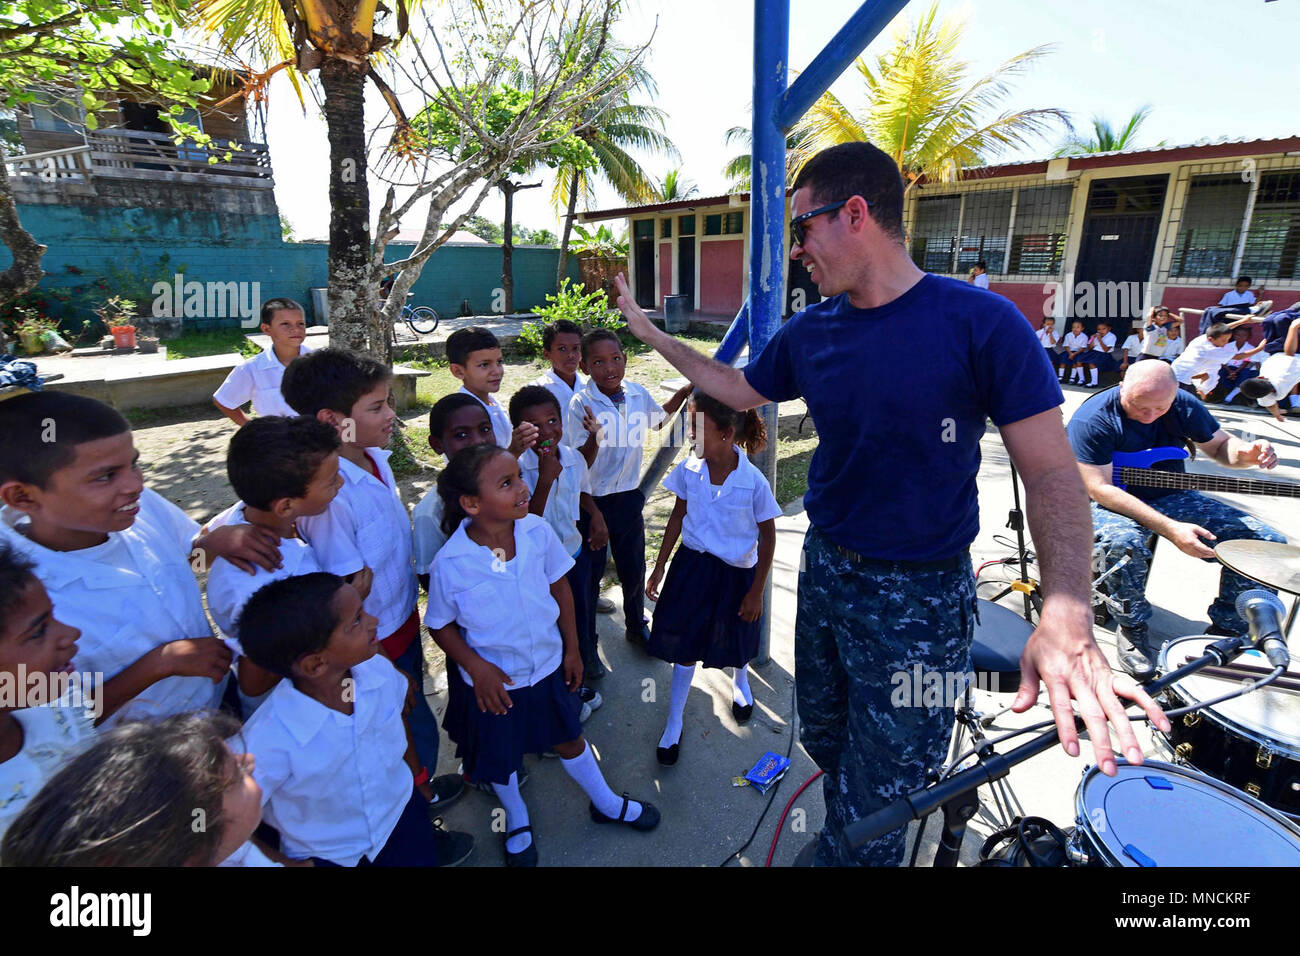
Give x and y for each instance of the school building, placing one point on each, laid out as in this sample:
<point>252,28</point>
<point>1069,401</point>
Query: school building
<point>1095,236</point>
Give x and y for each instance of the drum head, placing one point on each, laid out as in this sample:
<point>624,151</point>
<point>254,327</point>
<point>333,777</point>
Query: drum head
<point>1162,815</point>
<point>1270,716</point>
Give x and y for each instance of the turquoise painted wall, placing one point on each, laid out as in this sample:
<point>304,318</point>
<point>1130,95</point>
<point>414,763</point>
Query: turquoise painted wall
<point>150,245</point>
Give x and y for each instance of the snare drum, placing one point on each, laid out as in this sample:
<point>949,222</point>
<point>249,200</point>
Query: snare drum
<point>1251,742</point>
<point>1159,814</point>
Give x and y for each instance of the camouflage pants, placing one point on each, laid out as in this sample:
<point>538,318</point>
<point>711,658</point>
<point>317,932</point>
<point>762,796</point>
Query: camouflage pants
<point>1117,534</point>
<point>859,626</point>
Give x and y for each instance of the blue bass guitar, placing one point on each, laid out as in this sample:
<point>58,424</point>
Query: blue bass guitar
<point>1134,468</point>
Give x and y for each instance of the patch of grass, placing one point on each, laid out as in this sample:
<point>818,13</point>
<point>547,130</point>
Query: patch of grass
<point>219,342</point>
<point>792,459</point>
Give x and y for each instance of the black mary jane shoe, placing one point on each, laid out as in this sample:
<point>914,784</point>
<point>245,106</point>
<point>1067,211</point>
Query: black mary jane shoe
<point>648,819</point>
<point>525,857</point>
<point>741,714</point>
<point>667,756</point>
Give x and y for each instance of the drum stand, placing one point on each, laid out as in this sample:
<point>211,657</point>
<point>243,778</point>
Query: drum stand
<point>1026,585</point>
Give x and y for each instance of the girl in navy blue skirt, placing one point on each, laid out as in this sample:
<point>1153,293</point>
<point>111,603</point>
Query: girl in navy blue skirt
<point>500,607</point>
<point>726,517</point>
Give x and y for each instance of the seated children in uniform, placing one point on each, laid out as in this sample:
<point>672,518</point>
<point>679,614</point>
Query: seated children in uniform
<point>726,516</point>
<point>136,797</point>
<point>1076,344</point>
<point>557,478</point>
<point>117,559</point>
<point>334,760</point>
<point>1049,339</point>
<point>499,579</point>
<point>258,378</point>
<point>1278,377</point>
<point>365,533</point>
<point>1240,294</point>
<point>474,356</point>
<point>1098,358</point>
<point>562,347</point>
<point>282,469</point>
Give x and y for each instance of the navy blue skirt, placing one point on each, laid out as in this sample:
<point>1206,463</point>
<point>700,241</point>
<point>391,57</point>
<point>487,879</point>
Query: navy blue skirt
<point>698,614</point>
<point>492,747</point>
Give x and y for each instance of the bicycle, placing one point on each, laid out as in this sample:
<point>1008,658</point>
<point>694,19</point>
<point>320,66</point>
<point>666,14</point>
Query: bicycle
<point>421,319</point>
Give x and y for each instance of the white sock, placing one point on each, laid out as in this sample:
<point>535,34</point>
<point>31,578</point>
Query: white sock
<point>682,674</point>
<point>586,773</point>
<point>516,813</point>
<point>740,692</point>
<point>1060,373</point>
<point>1094,376</point>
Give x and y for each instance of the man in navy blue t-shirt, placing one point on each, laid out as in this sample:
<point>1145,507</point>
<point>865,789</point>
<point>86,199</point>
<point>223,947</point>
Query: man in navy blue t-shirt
<point>1149,411</point>
<point>886,584</point>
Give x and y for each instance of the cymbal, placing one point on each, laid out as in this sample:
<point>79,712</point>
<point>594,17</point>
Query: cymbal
<point>1268,562</point>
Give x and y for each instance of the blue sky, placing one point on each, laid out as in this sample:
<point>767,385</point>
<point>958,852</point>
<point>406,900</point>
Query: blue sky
<point>1209,69</point>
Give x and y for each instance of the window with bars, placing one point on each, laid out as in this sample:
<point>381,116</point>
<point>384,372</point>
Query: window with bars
<point>1273,236</point>
<point>1211,227</point>
<point>724,224</point>
<point>984,230</point>
<point>949,238</point>
<point>934,233</point>
<point>665,229</point>
<point>1038,239</point>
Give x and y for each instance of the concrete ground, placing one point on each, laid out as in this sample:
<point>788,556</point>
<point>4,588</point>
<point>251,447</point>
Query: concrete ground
<point>705,818</point>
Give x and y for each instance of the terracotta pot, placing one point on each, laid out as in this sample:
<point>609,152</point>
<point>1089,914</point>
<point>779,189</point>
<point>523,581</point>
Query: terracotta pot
<point>123,336</point>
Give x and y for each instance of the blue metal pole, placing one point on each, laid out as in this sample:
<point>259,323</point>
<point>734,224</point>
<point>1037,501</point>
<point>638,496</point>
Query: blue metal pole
<point>838,55</point>
<point>767,220</point>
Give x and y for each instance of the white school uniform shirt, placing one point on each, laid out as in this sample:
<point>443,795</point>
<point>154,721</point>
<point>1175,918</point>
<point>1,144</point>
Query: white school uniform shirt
<point>1154,340</point>
<point>1048,338</point>
<point>1133,346</point>
<point>1240,362</point>
<point>1283,371</point>
<point>563,501</point>
<point>1075,341</point>
<point>366,525</point>
<point>504,608</point>
<point>1233,297</point>
<point>258,379</point>
<point>333,784</point>
<point>248,854</point>
<point>1104,343</point>
<point>982,281</point>
<point>625,427</point>
<point>501,426</point>
<point>723,519</point>
<point>129,595</point>
<point>1173,348</point>
<point>564,395</point>
<point>427,535</point>
<point>1201,356</point>
<point>52,736</point>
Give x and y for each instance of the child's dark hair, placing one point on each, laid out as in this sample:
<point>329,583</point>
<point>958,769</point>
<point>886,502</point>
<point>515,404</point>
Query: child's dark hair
<point>460,477</point>
<point>527,397</point>
<point>1257,388</point>
<point>280,304</point>
<point>40,432</point>
<point>982,264</point>
<point>132,799</point>
<point>445,407</point>
<point>1217,329</point>
<point>331,378</point>
<point>559,327</point>
<point>289,618</point>
<point>1246,279</point>
<point>599,335</point>
<point>750,432</point>
<point>464,341</point>
<point>16,572</point>
<point>277,457</point>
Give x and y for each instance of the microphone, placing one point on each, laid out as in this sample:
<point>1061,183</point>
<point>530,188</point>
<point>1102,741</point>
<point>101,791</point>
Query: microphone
<point>1263,612</point>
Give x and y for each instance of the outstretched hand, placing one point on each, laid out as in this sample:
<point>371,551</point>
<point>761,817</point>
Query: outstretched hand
<point>638,323</point>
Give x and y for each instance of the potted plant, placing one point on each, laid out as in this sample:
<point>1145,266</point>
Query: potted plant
<point>32,328</point>
<point>116,313</point>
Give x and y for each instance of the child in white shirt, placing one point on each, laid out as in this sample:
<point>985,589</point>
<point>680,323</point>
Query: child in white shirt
<point>283,470</point>
<point>258,378</point>
<point>500,607</point>
<point>1240,294</point>
<point>474,357</point>
<point>726,515</point>
<point>1278,376</point>
<point>562,347</point>
<point>117,559</point>
<point>1098,358</point>
<point>1049,339</point>
<point>1174,346</point>
<point>1076,344</point>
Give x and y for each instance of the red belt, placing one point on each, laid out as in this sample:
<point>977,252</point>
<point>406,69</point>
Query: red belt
<point>395,644</point>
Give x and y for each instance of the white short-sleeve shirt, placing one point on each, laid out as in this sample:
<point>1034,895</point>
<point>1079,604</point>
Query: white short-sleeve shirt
<point>257,379</point>
<point>1200,355</point>
<point>366,525</point>
<point>1155,340</point>
<point>427,535</point>
<point>1174,348</point>
<point>625,427</point>
<point>1048,337</point>
<point>1075,341</point>
<point>1133,345</point>
<point>1233,297</point>
<point>1283,371</point>
<point>129,595</point>
<point>333,784</point>
<point>501,426</point>
<point>1104,343</point>
<point>563,501</point>
<point>723,519</point>
<point>564,395</point>
<point>982,281</point>
<point>51,737</point>
<point>504,608</point>
<point>1239,362</point>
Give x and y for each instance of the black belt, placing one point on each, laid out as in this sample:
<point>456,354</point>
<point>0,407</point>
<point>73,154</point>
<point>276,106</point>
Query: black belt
<point>955,563</point>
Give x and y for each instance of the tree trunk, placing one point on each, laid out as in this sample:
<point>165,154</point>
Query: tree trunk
<point>353,291</point>
<point>568,228</point>
<point>508,247</point>
<point>25,271</point>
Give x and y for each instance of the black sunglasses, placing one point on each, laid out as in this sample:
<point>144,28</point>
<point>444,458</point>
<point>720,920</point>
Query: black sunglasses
<point>796,224</point>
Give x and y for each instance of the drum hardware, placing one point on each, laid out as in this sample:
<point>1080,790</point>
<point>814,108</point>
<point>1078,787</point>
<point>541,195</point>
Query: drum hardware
<point>1026,586</point>
<point>1253,790</point>
<point>1263,758</point>
<point>1191,720</point>
<point>1183,751</point>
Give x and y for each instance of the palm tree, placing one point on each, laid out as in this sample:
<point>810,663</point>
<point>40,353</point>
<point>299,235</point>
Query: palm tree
<point>737,168</point>
<point>924,112</point>
<point>675,186</point>
<point>1106,138</point>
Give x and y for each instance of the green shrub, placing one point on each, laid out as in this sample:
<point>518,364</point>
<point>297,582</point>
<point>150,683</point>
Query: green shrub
<point>590,310</point>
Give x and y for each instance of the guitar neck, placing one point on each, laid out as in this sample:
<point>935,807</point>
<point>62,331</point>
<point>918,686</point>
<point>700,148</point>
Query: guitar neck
<point>1154,478</point>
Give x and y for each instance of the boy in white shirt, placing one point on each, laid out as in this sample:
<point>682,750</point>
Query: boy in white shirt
<point>283,470</point>
<point>562,347</point>
<point>117,559</point>
<point>335,761</point>
<point>1240,294</point>
<point>258,379</point>
<point>1076,343</point>
<point>474,357</point>
<point>1099,357</point>
<point>364,535</point>
<point>1278,376</point>
<point>1049,339</point>
<point>979,276</point>
<point>1243,367</point>
<point>1197,368</point>
<point>1175,343</point>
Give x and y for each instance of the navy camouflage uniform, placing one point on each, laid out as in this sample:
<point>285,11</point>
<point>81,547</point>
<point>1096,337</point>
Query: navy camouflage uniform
<point>859,622</point>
